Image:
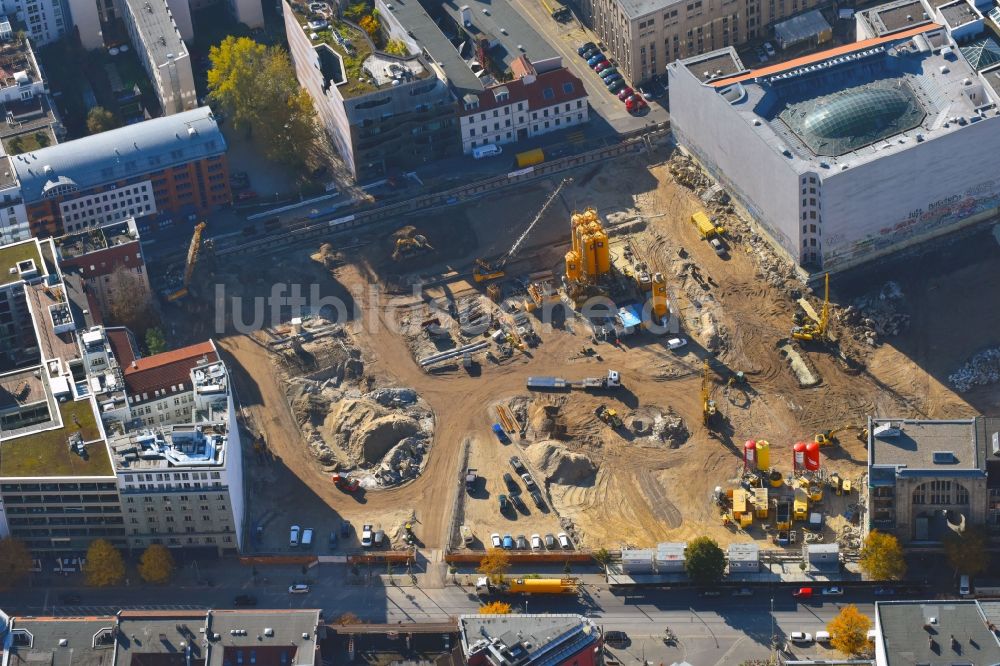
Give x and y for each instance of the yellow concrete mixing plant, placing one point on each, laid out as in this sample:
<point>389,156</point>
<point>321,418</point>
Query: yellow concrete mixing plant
<point>590,256</point>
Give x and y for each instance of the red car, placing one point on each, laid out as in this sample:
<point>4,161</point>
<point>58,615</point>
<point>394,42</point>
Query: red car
<point>625,93</point>
<point>634,104</point>
<point>803,593</point>
<point>604,64</point>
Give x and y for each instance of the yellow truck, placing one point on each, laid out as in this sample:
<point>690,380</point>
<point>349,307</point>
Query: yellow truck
<point>801,506</point>
<point>529,158</point>
<point>527,586</point>
<point>705,226</point>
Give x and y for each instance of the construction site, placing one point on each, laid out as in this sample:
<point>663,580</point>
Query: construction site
<point>622,336</point>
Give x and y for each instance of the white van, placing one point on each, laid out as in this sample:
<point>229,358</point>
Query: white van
<point>963,587</point>
<point>467,537</point>
<point>489,150</point>
<point>307,538</point>
<point>293,537</point>
<point>822,636</point>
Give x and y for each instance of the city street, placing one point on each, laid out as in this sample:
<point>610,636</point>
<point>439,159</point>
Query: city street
<point>710,630</point>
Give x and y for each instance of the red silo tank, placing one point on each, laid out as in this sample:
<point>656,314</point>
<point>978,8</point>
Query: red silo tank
<point>812,456</point>
<point>799,455</point>
<point>750,454</point>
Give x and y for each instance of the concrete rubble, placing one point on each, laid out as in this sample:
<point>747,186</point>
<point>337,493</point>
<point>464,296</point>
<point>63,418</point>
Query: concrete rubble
<point>877,314</point>
<point>981,370</point>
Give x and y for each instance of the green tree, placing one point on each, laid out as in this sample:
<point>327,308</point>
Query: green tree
<point>602,556</point>
<point>704,561</point>
<point>256,86</point>
<point>129,301</point>
<point>100,119</point>
<point>849,631</point>
<point>397,48</point>
<point>15,562</point>
<point>968,551</point>
<point>104,566</point>
<point>882,557</point>
<point>156,564</point>
<point>155,342</point>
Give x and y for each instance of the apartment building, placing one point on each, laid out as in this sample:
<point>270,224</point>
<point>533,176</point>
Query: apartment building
<point>45,21</point>
<point>160,46</point>
<point>645,35</point>
<point>57,484</point>
<point>14,225</point>
<point>532,104</point>
<point>170,168</point>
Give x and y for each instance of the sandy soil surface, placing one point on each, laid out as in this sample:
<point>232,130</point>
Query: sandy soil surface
<point>643,491</point>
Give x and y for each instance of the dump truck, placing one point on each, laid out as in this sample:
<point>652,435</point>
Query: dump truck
<point>471,478</point>
<point>706,227</point>
<point>529,158</point>
<point>526,586</point>
<point>612,380</point>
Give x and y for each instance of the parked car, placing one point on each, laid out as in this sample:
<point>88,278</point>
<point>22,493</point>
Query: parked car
<point>589,51</point>
<point>743,592</point>
<point>611,79</point>
<point>367,534</point>
<point>803,593</point>
<point>616,86</point>
<point>625,93</point>
<point>528,481</point>
<point>600,68</point>
<point>293,536</point>
<point>536,497</point>
<point>800,637</point>
<point>518,466</point>
<point>536,542</point>
<point>508,542</point>
<point>298,588</point>
<point>504,503</point>
<point>586,47</point>
<point>522,542</point>
<point>345,528</point>
<point>243,600</point>
<point>885,591</point>
<point>676,343</point>
<point>607,71</point>
<point>518,503</point>
<point>333,539</point>
<point>616,639</point>
<point>594,59</point>
<point>550,541</point>
<point>761,55</point>
<point>495,540</point>
<point>769,49</point>
<point>512,485</point>
<point>719,247</point>
<point>378,538</point>
<point>501,435</point>
<point>564,541</point>
<point>833,591</point>
<point>599,63</point>
<point>635,104</point>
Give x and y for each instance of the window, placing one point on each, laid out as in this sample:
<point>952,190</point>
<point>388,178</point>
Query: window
<point>568,88</point>
<point>548,93</point>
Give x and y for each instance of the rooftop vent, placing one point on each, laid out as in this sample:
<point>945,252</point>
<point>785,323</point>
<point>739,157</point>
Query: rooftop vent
<point>63,642</point>
<point>944,458</point>
<point>268,631</point>
<point>305,636</point>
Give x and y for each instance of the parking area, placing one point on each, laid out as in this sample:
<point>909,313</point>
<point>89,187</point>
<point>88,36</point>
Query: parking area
<point>565,37</point>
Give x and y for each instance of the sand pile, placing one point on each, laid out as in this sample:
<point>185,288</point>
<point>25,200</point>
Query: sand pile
<point>546,420</point>
<point>365,431</point>
<point>558,465</point>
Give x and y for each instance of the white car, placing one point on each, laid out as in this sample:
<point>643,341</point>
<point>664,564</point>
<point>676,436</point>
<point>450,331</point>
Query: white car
<point>676,343</point>
<point>564,541</point>
<point>495,540</point>
<point>366,536</point>
<point>833,591</point>
<point>298,588</point>
<point>536,542</point>
<point>769,49</point>
<point>800,637</point>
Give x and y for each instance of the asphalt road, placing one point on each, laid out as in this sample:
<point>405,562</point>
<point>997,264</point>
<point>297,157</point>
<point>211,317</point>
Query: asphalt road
<point>710,630</point>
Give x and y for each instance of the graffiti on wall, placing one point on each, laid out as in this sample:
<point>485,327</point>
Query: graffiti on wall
<point>984,197</point>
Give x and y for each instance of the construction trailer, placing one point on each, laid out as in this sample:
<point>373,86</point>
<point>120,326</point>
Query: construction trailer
<point>670,557</point>
<point>639,562</point>
<point>744,558</point>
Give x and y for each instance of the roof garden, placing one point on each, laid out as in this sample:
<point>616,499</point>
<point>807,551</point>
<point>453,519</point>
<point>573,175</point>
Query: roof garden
<point>48,453</point>
<point>14,260</point>
<point>358,54</point>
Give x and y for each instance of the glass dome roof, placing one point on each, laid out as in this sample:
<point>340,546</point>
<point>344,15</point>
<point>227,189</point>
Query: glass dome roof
<point>859,113</point>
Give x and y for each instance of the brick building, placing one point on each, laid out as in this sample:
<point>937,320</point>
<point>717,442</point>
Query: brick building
<point>170,168</point>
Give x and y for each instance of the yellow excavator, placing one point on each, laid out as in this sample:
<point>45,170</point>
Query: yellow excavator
<point>816,330</point>
<point>708,408</point>
<point>828,437</point>
<point>192,259</point>
<point>486,270</point>
<point>408,247</point>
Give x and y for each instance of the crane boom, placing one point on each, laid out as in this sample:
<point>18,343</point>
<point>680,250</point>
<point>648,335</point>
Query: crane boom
<point>486,270</point>
<point>192,259</point>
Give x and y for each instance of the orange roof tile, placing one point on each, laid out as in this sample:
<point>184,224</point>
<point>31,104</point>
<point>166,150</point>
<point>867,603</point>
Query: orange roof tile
<point>824,55</point>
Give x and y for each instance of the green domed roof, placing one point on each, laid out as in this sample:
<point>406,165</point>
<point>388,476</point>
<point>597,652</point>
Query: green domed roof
<point>858,113</point>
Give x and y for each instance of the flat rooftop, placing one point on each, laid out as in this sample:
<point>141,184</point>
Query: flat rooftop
<point>8,176</point>
<point>160,638</point>
<point>13,260</point>
<point>20,388</point>
<point>64,642</point>
<point>269,632</point>
<point>47,453</point>
<point>160,36</point>
<point>897,16</point>
<point>504,26</point>
<point>51,307</point>
<point>924,445</point>
<point>857,103</point>
<point>955,633</point>
<point>637,8</point>
<point>708,66</point>
<point>991,77</point>
<point>183,446</point>
<point>959,13</point>
<point>93,240</point>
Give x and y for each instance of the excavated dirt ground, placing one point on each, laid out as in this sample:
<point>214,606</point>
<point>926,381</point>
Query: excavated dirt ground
<point>644,490</point>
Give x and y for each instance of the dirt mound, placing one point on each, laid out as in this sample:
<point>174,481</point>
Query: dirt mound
<point>546,421</point>
<point>561,466</point>
<point>365,431</point>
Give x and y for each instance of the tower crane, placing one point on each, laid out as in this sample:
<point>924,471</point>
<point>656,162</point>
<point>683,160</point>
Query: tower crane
<point>192,260</point>
<point>492,270</point>
<point>816,330</point>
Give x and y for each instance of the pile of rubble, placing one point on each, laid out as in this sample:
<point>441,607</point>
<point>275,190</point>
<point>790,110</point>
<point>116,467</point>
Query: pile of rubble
<point>877,314</point>
<point>981,370</point>
<point>687,173</point>
<point>849,537</point>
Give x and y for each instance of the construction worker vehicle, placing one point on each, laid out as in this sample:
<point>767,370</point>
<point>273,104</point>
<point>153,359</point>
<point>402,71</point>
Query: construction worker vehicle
<point>192,259</point>
<point>471,479</point>
<point>611,381</point>
<point>828,437</point>
<point>609,416</point>
<point>486,270</point>
<point>815,327</point>
<point>706,227</point>
<point>708,407</point>
<point>348,484</point>
<point>485,587</point>
<point>410,247</point>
